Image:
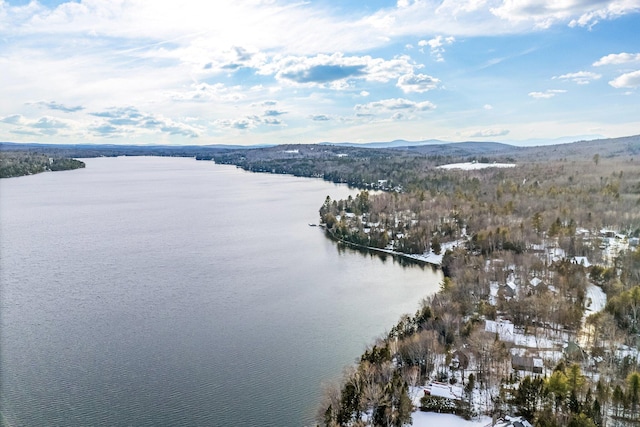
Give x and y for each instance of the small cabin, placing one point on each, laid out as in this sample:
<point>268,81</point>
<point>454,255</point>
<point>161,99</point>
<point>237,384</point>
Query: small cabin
<point>529,364</point>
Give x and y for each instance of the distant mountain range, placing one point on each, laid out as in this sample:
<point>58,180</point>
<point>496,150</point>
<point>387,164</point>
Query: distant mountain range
<point>402,143</point>
<point>586,149</point>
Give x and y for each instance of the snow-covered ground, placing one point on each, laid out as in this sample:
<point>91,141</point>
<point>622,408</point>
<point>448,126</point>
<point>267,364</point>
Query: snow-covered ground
<point>430,419</point>
<point>475,166</point>
<point>598,299</point>
<point>432,258</point>
<point>532,341</point>
<point>429,257</point>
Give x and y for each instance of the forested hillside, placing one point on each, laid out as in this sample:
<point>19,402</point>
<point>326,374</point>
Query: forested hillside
<point>539,312</point>
<point>19,163</point>
<point>411,169</point>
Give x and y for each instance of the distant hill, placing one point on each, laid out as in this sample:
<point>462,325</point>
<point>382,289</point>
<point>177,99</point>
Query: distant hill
<point>628,146</point>
<point>398,143</point>
<point>113,150</point>
<point>494,151</point>
<point>466,149</point>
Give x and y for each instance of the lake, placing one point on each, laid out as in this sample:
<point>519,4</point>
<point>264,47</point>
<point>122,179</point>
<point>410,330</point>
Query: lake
<point>146,291</point>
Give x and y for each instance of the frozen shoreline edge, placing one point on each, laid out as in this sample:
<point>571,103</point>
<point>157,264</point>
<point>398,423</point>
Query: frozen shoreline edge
<point>436,262</point>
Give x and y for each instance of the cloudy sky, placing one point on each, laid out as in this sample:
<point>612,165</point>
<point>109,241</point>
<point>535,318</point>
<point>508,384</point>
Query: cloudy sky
<point>285,71</point>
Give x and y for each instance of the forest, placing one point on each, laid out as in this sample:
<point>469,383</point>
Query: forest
<point>20,163</point>
<point>511,329</point>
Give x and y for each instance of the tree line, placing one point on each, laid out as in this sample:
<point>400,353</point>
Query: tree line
<point>20,163</point>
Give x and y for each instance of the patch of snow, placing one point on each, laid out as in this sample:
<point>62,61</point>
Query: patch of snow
<point>431,257</point>
<point>597,297</point>
<point>430,419</point>
<point>531,341</point>
<point>503,328</point>
<point>581,260</point>
<point>475,166</point>
<point>447,391</point>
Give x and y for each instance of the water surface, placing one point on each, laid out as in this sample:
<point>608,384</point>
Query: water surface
<point>171,292</point>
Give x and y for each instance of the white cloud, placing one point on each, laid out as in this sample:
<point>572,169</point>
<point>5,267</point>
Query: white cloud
<point>320,118</point>
<point>193,26</point>
<point>392,105</point>
<point>550,93</point>
<point>252,121</point>
<point>14,119</point>
<point>617,58</point>
<point>488,107</point>
<point>49,123</point>
<point>486,133</point>
<point>417,83</point>
<point>459,7</point>
<point>336,70</point>
<point>201,92</point>
<point>43,126</point>
<point>580,77</point>
<point>249,122</point>
<point>399,116</point>
<point>436,45</point>
<point>544,13</point>
<point>627,80</point>
<point>52,105</point>
<point>124,120</point>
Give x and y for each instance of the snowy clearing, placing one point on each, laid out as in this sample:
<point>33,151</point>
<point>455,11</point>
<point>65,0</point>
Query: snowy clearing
<point>597,297</point>
<point>475,166</point>
<point>430,419</point>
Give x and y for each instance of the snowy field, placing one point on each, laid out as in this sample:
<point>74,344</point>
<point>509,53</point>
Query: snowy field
<point>597,297</point>
<point>432,258</point>
<point>431,419</point>
<point>475,166</point>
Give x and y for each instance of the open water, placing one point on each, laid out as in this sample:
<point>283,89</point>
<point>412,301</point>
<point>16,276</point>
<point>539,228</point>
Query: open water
<point>172,292</point>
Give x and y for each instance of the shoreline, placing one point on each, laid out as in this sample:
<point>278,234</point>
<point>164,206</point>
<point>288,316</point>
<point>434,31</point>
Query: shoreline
<point>432,259</point>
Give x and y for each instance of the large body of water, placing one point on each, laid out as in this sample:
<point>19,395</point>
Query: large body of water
<point>172,292</point>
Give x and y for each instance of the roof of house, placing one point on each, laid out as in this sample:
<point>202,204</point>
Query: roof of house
<point>529,362</point>
<point>445,390</point>
<point>513,422</point>
<point>581,260</point>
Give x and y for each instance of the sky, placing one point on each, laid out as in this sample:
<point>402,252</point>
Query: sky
<point>248,72</point>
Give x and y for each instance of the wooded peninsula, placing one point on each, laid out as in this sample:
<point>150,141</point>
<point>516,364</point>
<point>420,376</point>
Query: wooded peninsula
<point>21,163</point>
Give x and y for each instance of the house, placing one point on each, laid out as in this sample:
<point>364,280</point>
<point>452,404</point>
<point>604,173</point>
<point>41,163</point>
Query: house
<point>510,288</point>
<point>581,260</point>
<point>573,351</point>
<point>513,422</point>
<point>444,390</point>
<point>535,282</point>
<point>529,364</point>
<point>607,232</point>
<point>460,360</point>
